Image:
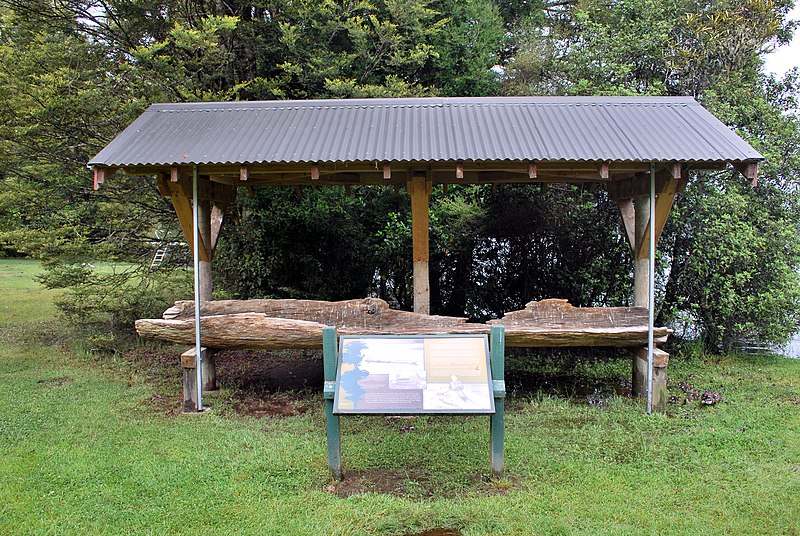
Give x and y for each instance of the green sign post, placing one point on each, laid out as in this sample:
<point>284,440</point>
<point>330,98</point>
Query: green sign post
<point>393,374</point>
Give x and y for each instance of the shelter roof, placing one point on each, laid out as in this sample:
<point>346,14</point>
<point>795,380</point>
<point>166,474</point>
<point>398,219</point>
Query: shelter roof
<point>496,129</point>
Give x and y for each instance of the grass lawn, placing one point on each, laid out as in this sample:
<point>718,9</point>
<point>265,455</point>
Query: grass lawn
<point>82,451</point>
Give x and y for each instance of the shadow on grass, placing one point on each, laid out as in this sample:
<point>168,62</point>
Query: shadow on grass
<point>284,383</point>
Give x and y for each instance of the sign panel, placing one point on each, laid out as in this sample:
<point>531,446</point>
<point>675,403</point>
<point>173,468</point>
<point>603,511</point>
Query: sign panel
<point>414,374</point>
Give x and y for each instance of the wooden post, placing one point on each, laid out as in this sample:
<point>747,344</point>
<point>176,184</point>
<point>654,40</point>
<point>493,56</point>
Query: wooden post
<point>333,432</point>
<point>660,362</point>
<point>209,374</point>
<point>209,371</point>
<point>634,206</point>
<point>420,190</point>
<point>641,283</point>
<point>497,420</point>
<point>189,390</point>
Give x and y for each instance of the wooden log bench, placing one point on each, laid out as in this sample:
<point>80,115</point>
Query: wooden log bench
<point>299,324</point>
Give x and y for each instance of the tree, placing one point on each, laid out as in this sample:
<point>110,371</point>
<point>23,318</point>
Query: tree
<point>75,72</point>
<point>718,268</point>
<point>734,246</point>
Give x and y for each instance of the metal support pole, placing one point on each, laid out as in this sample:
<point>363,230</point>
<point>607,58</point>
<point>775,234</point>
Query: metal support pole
<point>497,348</point>
<point>196,254</point>
<point>333,431</point>
<point>651,300</point>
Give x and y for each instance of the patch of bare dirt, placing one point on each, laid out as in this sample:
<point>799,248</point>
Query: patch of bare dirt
<point>404,484</point>
<point>168,405</point>
<point>272,384</point>
<point>57,382</point>
<point>256,383</point>
<point>270,371</point>
<point>284,404</point>
<point>485,485</point>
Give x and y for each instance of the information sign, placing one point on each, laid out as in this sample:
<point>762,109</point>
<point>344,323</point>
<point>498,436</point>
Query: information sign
<point>413,374</point>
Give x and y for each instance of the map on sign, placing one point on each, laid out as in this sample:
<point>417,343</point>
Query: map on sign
<point>414,374</point>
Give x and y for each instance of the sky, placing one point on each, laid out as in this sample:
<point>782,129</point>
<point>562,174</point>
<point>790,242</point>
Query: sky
<point>787,56</point>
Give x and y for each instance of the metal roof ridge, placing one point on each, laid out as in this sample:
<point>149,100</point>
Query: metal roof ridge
<point>423,102</point>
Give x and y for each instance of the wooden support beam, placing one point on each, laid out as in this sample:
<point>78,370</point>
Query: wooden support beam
<point>181,194</point>
<point>99,176</point>
<point>669,182</point>
<point>314,172</point>
<point>387,171</point>
<point>244,173</point>
<point>217,216</point>
<point>641,271</point>
<point>371,173</point>
<point>206,288</point>
<point>323,179</point>
<point>628,214</point>
<point>503,177</point>
<point>638,185</point>
<point>162,183</point>
<point>348,190</point>
<point>174,174</point>
<point>675,170</point>
<point>230,180</point>
<point>208,189</point>
<point>586,168</point>
<point>749,171</point>
<point>665,197</point>
<point>419,187</point>
<point>298,192</point>
<point>265,173</point>
<point>602,170</point>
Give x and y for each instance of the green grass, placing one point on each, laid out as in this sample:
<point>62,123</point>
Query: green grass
<point>23,301</point>
<point>81,452</point>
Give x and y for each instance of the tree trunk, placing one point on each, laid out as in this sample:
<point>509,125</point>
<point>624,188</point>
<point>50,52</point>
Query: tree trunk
<point>274,324</point>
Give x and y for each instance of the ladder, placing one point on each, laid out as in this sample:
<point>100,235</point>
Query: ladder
<point>159,257</point>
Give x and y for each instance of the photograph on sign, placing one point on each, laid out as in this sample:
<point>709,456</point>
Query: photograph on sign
<point>394,374</point>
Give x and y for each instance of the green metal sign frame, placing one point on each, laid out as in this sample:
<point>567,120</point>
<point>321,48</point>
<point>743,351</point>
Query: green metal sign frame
<point>497,417</point>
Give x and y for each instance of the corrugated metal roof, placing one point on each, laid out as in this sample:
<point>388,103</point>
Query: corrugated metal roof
<point>554,129</point>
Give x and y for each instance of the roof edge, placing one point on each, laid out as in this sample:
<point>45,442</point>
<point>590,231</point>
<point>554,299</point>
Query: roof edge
<point>422,102</point>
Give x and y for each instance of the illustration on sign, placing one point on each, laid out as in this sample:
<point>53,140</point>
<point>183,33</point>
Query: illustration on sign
<point>448,374</point>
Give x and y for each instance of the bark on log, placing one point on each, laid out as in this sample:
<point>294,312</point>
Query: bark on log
<point>243,330</point>
<point>551,323</point>
<point>368,312</point>
<point>557,323</point>
<point>559,313</point>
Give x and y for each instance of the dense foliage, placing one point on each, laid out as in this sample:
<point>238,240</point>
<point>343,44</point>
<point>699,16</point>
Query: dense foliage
<point>73,73</point>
